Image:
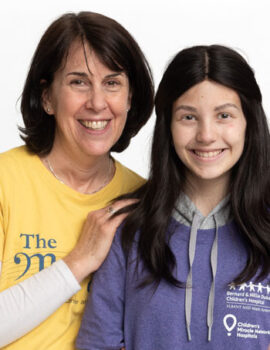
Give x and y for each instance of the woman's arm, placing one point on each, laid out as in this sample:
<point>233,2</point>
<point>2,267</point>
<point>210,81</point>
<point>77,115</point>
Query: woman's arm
<point>102,324</point>
<point>25,305</point>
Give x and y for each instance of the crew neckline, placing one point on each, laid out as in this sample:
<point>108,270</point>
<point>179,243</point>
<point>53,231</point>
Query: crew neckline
<point>60,187</point>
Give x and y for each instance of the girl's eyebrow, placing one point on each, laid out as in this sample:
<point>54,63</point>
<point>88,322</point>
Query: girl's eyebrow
<point>193,109</point>
<point>225,105</point>
<point>186,108</point>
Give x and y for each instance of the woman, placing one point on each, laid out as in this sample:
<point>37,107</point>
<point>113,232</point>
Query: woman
<point>191,267</point>
<point>88,91</point>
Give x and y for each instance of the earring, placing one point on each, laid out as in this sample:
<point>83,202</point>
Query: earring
<point>48,110</point>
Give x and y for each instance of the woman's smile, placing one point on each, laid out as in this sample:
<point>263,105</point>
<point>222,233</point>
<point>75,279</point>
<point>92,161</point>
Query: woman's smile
<point>95,124</point>
<point>89,102</point>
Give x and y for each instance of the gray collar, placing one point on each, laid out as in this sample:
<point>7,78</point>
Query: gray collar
<point>185,210</point>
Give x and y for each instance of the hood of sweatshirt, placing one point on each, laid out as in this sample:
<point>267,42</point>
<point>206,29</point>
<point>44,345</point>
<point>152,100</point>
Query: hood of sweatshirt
<point>187,214</point>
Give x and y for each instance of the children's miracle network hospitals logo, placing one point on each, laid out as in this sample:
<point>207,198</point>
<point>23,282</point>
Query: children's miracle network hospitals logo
<point>229,322</point>
<point>242,329</point>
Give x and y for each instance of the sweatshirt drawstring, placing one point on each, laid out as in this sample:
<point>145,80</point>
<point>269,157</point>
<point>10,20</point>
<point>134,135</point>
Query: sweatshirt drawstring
<point>192,247</point>
<point>211,299</point>
<point>188,293</point>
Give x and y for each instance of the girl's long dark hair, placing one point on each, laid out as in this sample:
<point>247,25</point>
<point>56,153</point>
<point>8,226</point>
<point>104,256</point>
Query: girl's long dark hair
<point>250,176</point>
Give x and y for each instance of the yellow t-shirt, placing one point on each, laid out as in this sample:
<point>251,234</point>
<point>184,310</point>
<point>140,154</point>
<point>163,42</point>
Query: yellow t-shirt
<point>40,222</point>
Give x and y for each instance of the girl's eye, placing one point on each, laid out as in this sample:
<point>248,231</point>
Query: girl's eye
<point>189,117</point>
<point>224,116</point>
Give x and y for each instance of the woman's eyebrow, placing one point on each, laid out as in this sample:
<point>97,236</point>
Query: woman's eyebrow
<point>83,74</point>
<point>80,74</point>
<point>114,75</point>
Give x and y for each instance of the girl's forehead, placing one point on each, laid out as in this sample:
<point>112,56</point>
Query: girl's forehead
<point>208,93</point>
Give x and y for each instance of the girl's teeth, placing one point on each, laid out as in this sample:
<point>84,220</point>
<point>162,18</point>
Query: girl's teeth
<point>95,125</point>
<point>207,154</point>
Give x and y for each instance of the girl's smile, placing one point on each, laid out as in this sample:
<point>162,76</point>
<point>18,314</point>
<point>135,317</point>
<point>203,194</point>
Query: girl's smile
<point>208,130</point>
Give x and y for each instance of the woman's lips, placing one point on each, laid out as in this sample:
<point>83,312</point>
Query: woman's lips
<point>94,124</point>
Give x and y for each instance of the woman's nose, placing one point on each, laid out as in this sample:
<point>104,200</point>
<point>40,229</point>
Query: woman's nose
<point>96,100</point>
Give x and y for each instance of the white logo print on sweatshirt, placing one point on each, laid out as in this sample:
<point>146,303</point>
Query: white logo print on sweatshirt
<point>251,305</point>
<point>229,322</point>
<point>249,296</point>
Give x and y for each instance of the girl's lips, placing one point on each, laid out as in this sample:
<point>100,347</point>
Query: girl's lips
<point>207,155</point>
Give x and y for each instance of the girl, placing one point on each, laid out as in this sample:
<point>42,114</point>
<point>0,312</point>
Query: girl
<point>190,269</point>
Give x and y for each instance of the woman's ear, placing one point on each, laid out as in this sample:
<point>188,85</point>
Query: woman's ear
<point>129,101</point>
<point>45,98</point>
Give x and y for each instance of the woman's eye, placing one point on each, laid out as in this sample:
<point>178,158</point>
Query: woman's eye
<point>112,83</point>
<point>77,82</point>
<point>79,85</point>
<point>224,116</point>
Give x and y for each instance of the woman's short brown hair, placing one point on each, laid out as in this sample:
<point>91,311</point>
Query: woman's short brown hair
<point>116,49</point>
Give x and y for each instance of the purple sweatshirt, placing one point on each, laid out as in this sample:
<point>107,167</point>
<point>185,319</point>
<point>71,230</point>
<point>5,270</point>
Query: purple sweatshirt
<point>209,314</point>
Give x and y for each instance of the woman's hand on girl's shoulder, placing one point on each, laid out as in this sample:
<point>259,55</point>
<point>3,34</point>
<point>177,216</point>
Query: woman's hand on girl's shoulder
<point>96,239</point>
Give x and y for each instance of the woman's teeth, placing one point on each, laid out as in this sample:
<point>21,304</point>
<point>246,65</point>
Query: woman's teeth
<point>210,154</point>
<point>94,125</point>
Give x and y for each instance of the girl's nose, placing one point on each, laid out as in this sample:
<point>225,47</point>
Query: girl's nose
<point>206,132</point>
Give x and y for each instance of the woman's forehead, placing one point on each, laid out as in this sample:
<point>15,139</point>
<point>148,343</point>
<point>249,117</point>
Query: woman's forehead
<point>81,55</point>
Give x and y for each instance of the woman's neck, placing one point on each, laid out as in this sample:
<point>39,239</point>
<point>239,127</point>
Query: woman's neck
<point>83,174</point>
<point>206,194</point>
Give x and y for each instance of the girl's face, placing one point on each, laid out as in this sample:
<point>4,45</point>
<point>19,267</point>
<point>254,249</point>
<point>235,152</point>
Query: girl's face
<point>208,130</point>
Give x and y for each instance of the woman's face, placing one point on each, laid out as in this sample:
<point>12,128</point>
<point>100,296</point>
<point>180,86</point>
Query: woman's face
<point>89,102</point>
<point>208,130</point>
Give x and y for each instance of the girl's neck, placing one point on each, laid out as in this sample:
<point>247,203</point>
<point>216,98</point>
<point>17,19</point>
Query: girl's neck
<point>206,194</point>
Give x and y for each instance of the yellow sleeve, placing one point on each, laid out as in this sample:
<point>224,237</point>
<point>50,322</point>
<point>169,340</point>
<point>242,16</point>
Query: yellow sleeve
<point>1,228</point>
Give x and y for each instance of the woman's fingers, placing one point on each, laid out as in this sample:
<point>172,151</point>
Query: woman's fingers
<point>96,239</point>
<point>114,207</point>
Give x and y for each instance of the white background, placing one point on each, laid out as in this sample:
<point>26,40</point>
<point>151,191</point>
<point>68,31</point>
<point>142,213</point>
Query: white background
<point>161,29</point>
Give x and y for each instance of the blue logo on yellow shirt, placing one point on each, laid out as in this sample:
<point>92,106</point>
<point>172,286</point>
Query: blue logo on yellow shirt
<point>34,241</point>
